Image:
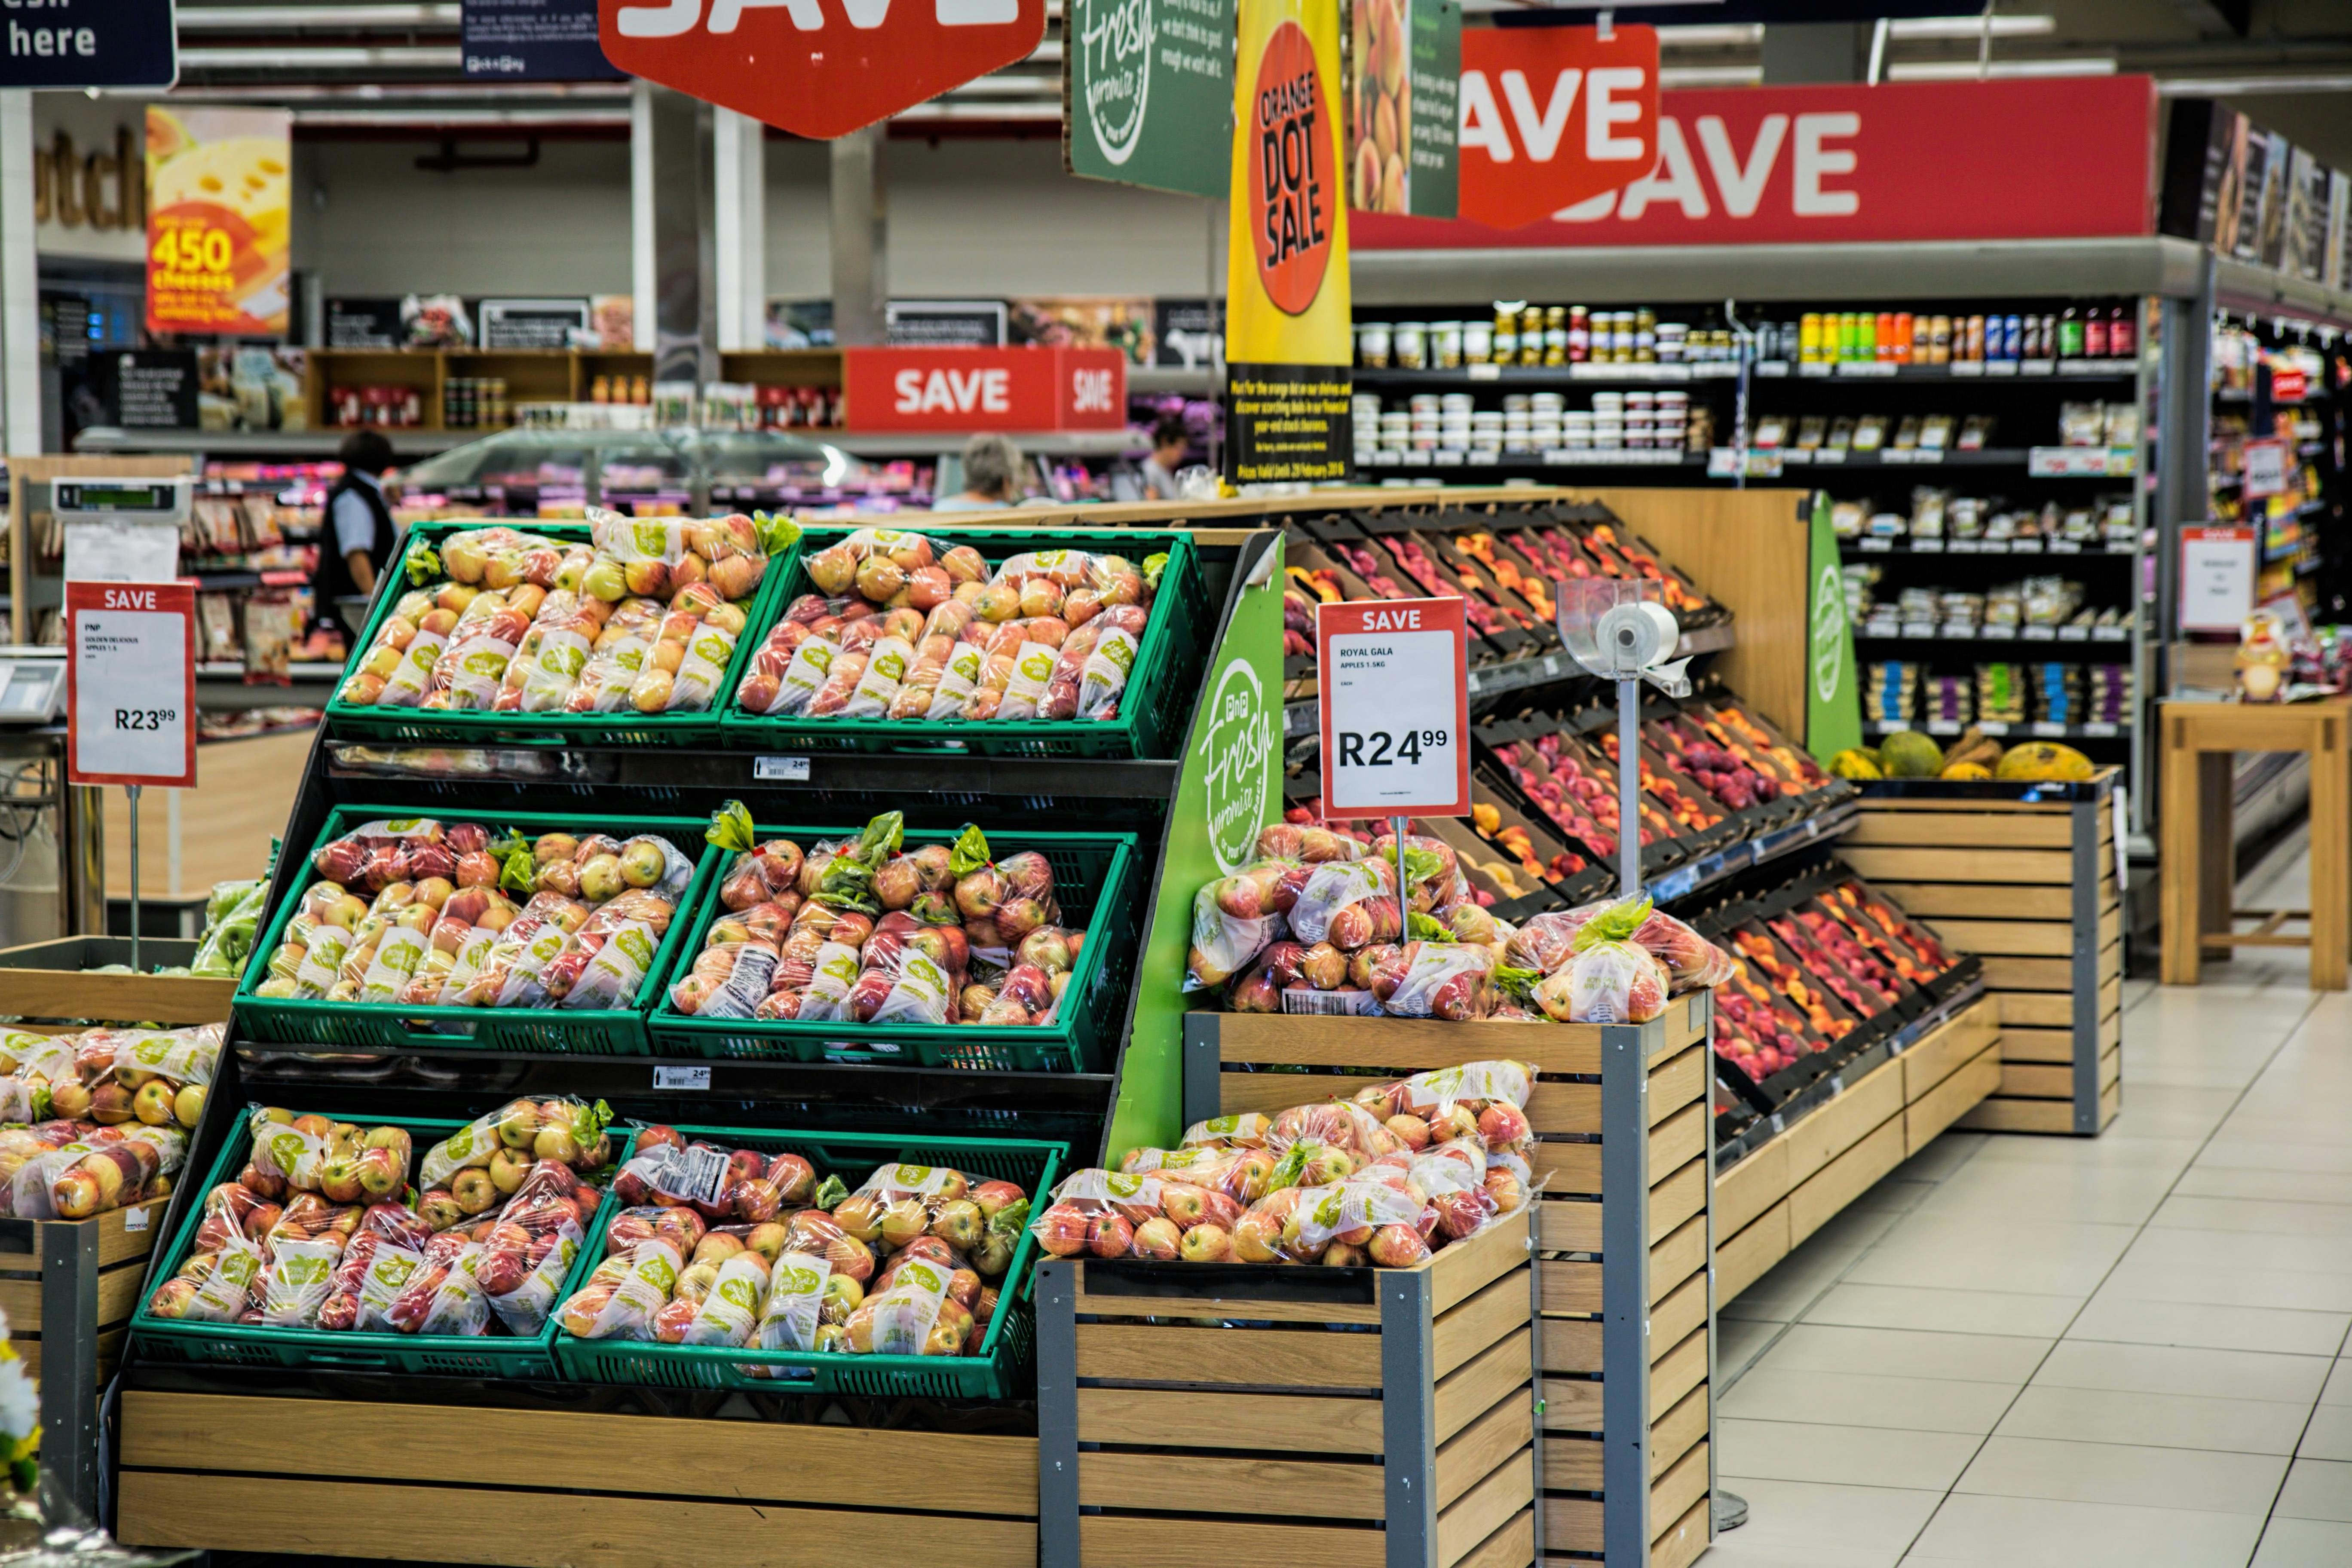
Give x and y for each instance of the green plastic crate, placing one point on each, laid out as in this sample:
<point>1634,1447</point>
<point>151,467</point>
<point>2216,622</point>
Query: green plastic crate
<point>1153,711</point>
<point>1097,883</point>
<point>347,721</point>
<point>852,1156</point>
<point>600,1031</point>
<point>497,1354</point>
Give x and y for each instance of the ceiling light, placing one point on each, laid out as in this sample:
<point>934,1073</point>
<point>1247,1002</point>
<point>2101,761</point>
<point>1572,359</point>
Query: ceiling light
<point>1968,71</point>
<point>2246,86</point>
<point>277,18</point>
<point>426,57</point>
<point>1710,76</point>
<point>1712,36</point>
<point>1904,28</point>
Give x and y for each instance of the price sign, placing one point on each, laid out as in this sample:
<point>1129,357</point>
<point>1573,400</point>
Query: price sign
<point>2217,578</point>
<point>1395,707</point>
<point>2267,464</point>
<point>131,684</point>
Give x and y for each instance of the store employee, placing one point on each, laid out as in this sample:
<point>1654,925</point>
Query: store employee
<point>358,539</point>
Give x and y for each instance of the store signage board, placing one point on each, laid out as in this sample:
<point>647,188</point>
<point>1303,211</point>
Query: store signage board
<point>1288,339</point>
<point>1404,107</point>
<point>1830,164</point>
<point>984,389</point>
<point>945,323</point>
<point>1148,93</point>
<point>531,323</point>
<point>100,43</point>
<point>365,323</point>
<point>131,684</point>
<point>1553,117</point>
<point>2289,386</point>
<point>154,389</point>
<point>1833,687</point>
<point>1395,709</point>
<point>219,211</point>
<point>1188,332</point>
<point>533,40</point>
<point>2217,578</point>
<point>816,68</point>
<point>2268,465</point>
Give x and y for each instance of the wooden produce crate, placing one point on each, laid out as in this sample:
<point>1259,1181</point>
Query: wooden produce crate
<point>46,980</point>
<point>1381,1416</point>
<point>1878,1112</point>
<point>1624,1133</point>
<point>2026,876</point>
<point>69,1288</point>
<point>536,1484</point>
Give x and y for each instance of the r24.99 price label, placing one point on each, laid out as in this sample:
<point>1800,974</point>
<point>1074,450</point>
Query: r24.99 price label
<point>1382,749</point>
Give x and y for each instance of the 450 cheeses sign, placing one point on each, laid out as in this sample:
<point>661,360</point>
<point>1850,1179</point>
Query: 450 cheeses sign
<point>817,68</point>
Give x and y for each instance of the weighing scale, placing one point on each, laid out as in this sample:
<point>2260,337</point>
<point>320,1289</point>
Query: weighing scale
<point>32,685</point>
<point>120,531</point>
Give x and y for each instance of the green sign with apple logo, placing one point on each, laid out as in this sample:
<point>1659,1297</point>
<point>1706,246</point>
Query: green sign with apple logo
<point>1232,787</point>
<point>1832,691</point>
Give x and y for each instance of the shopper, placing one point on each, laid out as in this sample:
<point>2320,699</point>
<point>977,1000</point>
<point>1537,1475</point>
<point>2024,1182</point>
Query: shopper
<point>357,540</point>
<point>1170,441</point>
<point>992,475</point>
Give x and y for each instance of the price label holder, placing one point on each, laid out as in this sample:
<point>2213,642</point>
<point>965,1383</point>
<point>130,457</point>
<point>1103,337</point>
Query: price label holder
<point>781,770</point>
<point>1395,710</point>
<point>686,1078</point>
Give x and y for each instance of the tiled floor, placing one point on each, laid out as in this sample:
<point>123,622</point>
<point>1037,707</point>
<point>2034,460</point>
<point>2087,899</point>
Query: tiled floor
<point>2050,1354</point>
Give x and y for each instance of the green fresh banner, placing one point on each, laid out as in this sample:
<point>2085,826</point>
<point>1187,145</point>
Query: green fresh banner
<point>1232,787</point>
<point>1833,684</point>
<point>1148,92</point>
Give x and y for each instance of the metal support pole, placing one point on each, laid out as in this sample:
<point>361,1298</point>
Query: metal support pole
<point>69,1371</point>
<point>1628,787</point>
<point>2086,971</point>
<point>1408,1418</point>
<point>133,791</point>
<point>1057,1414</point>
<point>685,329</point>
<point>1625,1289</point>
<point>861,240</point>
<point>1203,1069</point>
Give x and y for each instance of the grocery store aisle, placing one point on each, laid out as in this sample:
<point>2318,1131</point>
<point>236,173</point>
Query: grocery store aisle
<point>2050,1354</point>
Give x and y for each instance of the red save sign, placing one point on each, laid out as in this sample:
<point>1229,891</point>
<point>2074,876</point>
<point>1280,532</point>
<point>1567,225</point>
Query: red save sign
<point>817,68</point>
<point>1554,116</point>
<point>1394,707</point>
<point>985,389</point>
<point>131,684</point>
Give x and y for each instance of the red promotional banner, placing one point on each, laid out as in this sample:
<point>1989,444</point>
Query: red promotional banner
<point>1554,116</point>
<point>984,389</point>
<point>817,68</point>
<point>1903,161</point>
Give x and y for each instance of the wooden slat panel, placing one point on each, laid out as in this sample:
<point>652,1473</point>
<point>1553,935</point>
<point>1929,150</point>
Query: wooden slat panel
<point>1965,900</point>
<point>1570,1287</point>
<point>1677,1258</point>
<point>117,1241</point>
<point>2036,1045</point>
<point>1844,1179</point>
<point>1962,829</point>
<point>1683,1309</point>
<point>1207,1306</point>
<point>1672,1085</point>
<point>1742,1260</point>
<point>1925,1118</point>
<point>1462,1270</point>
<point>1486,1508</point>
<point>1469,1392</point>
<point>1571,1344</point>
<point>1671,1434</point>
<point>2111,1101</point>
<point>118,1294</point>
<point>1177,1419</point>
<point>1117,1541</point>
<point>1931,1060</point>
<point>1679,1371</point>
<point>1673,1493</point>
<point>1411,1045</point>
<point>2035,1009</point>
<point>1482,1445</point>
<point>1568,1226</point>
<point>1164,1353</point>
<point>1573,1405</point>
<point>1679,1547</point>
<point>21,1300</point>
<point>2111,1067</point>
<point>1572,1525</point>
<point>362,1521</point>
<point>1843,1121</point>
<point>2022,1080</point>
<point>1570,1464</point>
<point>733,1461</point>
<point>1680,1137</point>
<point>2021,939</point>
<point>2029,974</point>
<point>110,1353</point>
<point>1676,1198</point>
<point>2030,866</point>
<point>1476,1323</point>
<point>1513,1546</point>
<point>1568,1167</point>
<point>2000,1115</point>
<point>168,999</point>
<point>1213,1483</point>
<point>1753,1185</point>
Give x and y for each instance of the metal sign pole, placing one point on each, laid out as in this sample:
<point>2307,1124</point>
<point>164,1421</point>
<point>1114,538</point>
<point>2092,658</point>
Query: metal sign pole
<point>1628,787</point>
<point>1404,904</point>
<point>134,792</point>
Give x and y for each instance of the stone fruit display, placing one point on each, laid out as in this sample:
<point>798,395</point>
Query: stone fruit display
<point>336,1227</point>
<point>418,912</point>
<point>644,619</point>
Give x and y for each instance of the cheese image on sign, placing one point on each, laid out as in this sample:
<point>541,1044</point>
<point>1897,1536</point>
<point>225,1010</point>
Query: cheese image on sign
<point>1395,707</point>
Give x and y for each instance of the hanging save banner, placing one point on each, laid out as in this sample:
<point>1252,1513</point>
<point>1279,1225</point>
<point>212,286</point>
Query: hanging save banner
<point>1148,93</point>
<point>219,189</point>
<point>1554,116</point>
<point>1288,342</point>
<point>1403,106</point>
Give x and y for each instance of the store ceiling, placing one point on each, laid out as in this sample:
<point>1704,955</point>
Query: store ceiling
<point>378,67</point>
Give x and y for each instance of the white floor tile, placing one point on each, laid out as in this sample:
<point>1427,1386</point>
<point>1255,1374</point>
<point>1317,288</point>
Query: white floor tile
<point>2304,1543</point>
<point>2120,1473</point>
<point>1864,1399</point>
<point>1801,1523</point>
<point>1907,1352</point>
<point>2155,1420</point>
<point>2339,1383</point>
<point>2171,1369</point>
<point>2320,1221</point>
<point>2039,1532</point>
<point>1945,1312</point>
<point>1854,1455</point>
<point>2329,1436</point>
<point>2318,1488</point>
<point>2117,1317</point>
<point>2166,1246</point>
<point>2221,1284</point>
<point>2234,1182</point>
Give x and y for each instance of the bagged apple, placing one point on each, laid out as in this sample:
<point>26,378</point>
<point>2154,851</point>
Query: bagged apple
<point>212,1287</point>
<point>792,1313</point>
<point>526,1258</point>
<point>729,1310</point>
<point>1436,980</point>
<point>373,1274</point>
<point>1351,904</point>
<point>1610,979</point>
<point>300,1278</point>
<point>915,1316</point>
<point>624,1293</point>
<point>1241,1130</point>
<point>565,1130</point>
<point>443,1298</point>
<point>898,1204</point>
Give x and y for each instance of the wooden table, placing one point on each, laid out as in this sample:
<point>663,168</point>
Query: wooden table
<point>2199,739</point>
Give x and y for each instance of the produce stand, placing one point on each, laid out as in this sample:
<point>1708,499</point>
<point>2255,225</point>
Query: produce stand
<point>49,980</point>
<point>1626,1323</point>
<point>2025,875</point>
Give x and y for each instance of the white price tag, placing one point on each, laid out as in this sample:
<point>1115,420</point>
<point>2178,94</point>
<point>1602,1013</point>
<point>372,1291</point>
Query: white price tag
<point>694,1078</point>
<point>1395,707</point>
<point>781,770</point>
<point>132,671</point>
<point>2217,578</point>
